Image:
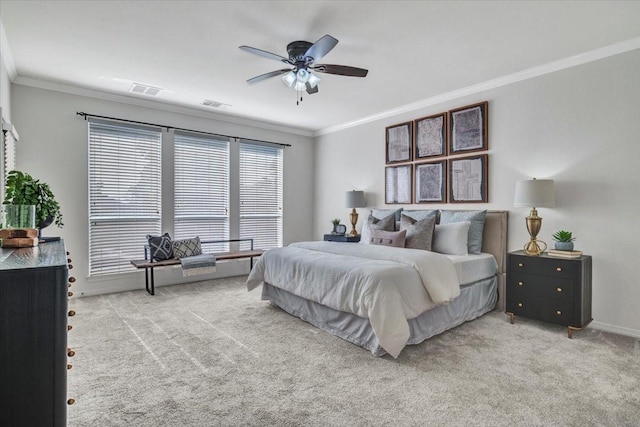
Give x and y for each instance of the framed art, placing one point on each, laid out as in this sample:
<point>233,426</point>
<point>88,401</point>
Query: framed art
<point>430,136</point>
<point>398,142</point>
<point>469,179</point>
<point>430,182</point>
<point>398,184</point>
<point>468,128</point>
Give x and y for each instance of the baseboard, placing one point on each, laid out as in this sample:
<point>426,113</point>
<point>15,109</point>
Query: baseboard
<point>615,329</point>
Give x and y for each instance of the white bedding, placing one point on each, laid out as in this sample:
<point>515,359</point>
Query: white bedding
<point>384,284</point>
<point>471,268</point>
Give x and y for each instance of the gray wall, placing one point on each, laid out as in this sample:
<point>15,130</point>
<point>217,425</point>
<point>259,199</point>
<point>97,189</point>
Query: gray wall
<point>579,126</point>
<point>53,147</point>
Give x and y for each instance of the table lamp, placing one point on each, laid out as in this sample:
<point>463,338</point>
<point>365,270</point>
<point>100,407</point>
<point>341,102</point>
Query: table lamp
<point>354,199</point>
<point>534,193</point>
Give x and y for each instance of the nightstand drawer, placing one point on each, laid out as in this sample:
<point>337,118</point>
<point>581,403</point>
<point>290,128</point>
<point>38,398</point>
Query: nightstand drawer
<point>558,312</point>
<point>544,287</point>
<point>545,266</point>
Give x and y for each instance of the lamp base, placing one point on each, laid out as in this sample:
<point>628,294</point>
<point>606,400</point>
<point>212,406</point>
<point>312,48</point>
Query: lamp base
<point>353,216</point>
<point>533,248</point>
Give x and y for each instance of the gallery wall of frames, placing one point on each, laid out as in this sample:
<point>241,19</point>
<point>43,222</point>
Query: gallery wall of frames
<point>440,158</point>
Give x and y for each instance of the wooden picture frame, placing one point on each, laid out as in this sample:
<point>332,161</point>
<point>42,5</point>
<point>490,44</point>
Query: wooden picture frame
<point>469,129</point>
<point>430,182</point>
<point>398,186</point>
<point>398,144</point>
<point>469,179</point>
<point>430,136</point>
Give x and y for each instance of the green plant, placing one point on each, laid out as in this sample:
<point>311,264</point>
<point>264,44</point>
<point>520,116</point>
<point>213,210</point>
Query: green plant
<point>563,236</point>
<point>335,221</point>
<point>23,189</point>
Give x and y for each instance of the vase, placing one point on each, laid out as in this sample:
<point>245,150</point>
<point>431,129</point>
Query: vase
<point>20,216</point>
<point>564,246</point>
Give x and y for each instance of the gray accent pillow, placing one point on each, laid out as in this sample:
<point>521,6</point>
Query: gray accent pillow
<point>476,228</point>
<point>187,247</point>
<point>422,214</point>
<point>160,247</point>
<point>419,232</point>
<point>383,213</point>
<point>373,223</point>
<point>388,238</point>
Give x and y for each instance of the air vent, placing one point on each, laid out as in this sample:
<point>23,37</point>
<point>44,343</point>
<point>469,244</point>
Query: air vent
<point>214,104</point>
<point>144,89</point>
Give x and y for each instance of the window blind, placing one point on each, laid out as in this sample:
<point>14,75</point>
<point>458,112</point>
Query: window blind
<point>261,194</point>
<point>201,189</point>
<point>124,194</point>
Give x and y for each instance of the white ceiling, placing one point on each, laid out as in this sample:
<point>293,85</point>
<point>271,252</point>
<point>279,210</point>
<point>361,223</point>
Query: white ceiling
<point>414,50</point>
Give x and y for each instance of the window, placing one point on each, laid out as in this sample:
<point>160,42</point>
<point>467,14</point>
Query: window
<point>8,139</point>
<point>261,194</point>
<point>201,188</point>
<point>124,194</point>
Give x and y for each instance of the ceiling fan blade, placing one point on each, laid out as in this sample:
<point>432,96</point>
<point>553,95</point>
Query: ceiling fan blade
<point>267,75</point>
<point>342,70</point>
<point>312,90</point>
<point>265,54</point>
<point>321,47</point>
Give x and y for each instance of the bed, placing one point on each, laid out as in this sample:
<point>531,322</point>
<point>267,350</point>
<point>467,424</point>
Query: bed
<point>366,294</point>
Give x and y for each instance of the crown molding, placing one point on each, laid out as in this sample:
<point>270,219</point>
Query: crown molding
<point>530,73</point>
<point>172,108</point>
<point>7,54</point>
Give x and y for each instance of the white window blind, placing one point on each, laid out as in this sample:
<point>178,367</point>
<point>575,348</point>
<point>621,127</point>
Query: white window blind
<point>261,194</point>
<point>124,194</point>
<point>201,189</point>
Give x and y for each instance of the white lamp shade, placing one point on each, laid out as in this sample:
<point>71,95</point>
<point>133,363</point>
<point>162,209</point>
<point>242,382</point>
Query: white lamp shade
<point>536,193</point>
<point>354,199</point>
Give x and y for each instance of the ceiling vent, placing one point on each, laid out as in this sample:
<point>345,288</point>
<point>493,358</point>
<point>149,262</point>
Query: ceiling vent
<point>214,104</point>
<point>144,89</point>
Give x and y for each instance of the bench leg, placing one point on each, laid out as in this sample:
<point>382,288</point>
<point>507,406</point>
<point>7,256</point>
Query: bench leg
<point>150,290</point>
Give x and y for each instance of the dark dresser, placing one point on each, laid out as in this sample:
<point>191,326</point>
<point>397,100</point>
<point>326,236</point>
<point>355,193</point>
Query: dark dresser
<point>33,335</point>
<point>341,238</point>
<point>551,289</point>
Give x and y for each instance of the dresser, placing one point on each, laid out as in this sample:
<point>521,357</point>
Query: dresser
<point>33,335</point>
<point>551,289</point>
<point>341,238</point>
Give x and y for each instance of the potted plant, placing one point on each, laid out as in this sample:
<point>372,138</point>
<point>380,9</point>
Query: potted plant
<point>335,222</point>
<point>564,240</point>
<point>23,189</point>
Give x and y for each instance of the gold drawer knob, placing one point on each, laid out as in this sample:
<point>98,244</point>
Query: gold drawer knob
<point>68,253</point>
<point>71,401</point>
<point>519,304</point>
<point>70,294</point>
<point>72,313</point>
<point>71,353</point>
<point>520,283</point>
<point>558,312</point>
<point>520,264</point>
<point>558,268</point>
<point>559,289</point>
<point>69,260</point>
<point>69,366</point>
<point>72,279</point>
<point>70,266</point>
<point>69,327</point>
<point>69,285</point>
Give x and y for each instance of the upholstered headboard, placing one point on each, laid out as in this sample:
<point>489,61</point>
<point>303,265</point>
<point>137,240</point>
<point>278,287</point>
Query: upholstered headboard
<point>494,241</point>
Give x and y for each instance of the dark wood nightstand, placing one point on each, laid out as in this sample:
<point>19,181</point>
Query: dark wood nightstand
<point>341,238</point>
<point>551,289</point>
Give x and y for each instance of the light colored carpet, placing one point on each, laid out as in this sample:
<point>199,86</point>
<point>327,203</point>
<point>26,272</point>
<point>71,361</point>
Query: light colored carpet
<point>213,354</point>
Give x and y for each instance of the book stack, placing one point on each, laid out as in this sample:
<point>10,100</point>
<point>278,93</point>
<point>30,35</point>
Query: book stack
<point>19,237</point>
<point>564,254</point>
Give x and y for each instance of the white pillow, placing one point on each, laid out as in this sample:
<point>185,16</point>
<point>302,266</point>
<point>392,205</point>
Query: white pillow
<point>452,238</point>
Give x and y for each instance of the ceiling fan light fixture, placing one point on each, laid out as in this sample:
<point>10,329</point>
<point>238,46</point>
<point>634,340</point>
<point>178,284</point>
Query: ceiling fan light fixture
<point>300,86</point>
<point>302,75</point>
<point>289,79</point>
<point>313,80</point>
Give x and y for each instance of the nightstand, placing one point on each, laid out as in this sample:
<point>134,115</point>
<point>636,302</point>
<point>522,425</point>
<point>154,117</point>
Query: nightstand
<point>551,289</point>
<point>341,238</point>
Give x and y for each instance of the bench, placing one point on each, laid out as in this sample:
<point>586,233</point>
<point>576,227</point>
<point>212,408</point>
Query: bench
<point>149,264</point>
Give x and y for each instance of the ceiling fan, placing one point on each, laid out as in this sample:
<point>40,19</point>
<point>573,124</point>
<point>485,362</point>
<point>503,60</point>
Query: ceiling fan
<point>303,57</point>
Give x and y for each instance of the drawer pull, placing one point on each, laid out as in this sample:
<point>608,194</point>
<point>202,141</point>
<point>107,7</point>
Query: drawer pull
<point>69,366</point>
<point>70,294</point>
<point>519,304</point>
<point>520,283</point>
<point>69,260</point>
<point>72,313</point>
<point>558,268</point>
<point>71,401</point>
<point>70,266</point>
<point>520,264</point>
<point>72,279</point>
<point>71,353</point>
<point>558,312</point>
<point>69,327</point>
<point>559,289</point>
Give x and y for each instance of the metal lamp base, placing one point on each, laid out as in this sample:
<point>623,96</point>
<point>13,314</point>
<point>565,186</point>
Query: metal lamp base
<point>353,216</point>
<point>534,223</point>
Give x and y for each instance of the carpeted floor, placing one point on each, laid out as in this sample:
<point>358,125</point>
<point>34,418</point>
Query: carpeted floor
<point>213,354</point>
